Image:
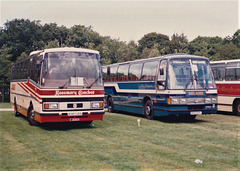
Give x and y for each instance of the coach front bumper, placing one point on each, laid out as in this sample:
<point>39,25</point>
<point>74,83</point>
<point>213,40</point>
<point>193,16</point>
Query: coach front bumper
<point>69,116</point>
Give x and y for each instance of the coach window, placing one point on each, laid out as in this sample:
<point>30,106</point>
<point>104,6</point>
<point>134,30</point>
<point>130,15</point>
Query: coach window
<point>25,70</point>
<point>113,73</point>
<point>162,74</point>
<point>233,71</point>
<point>20,65</point>
<point>149,71</point>
<point>123,72</point>
<point>13,72</point>
<point>135,72</point>
<point>218,71</point>
<point>104,73</point>
<point>18,71</point>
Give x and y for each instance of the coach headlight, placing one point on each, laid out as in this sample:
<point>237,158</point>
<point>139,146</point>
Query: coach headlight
<point>50,106</point>
<point>174,100</point>
<point>208,100</point>
<point>97,105</point>
<point>183,101</point>
<point>214,100</point>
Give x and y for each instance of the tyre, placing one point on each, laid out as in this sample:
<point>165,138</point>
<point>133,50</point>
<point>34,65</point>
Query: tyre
<point>31,117</point>
<point>110,105</point>
<point>15,109</point>
<point>148,110</point>
<point>236,108</point>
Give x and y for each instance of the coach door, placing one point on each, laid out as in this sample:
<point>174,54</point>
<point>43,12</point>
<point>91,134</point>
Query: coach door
<point>162,75</point>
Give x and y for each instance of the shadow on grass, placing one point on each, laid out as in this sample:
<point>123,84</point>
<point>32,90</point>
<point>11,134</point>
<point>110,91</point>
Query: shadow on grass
<point>225,113</point>
<point>165,119</point>
<point>176,119</point>
<point>62,126</point>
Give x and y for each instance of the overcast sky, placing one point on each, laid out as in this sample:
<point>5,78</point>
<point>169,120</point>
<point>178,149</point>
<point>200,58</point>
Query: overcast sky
<point>131,20</point>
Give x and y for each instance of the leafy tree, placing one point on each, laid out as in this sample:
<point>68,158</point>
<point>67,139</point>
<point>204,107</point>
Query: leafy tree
<point>81,36</point>
<point>128,52</point>
<point>154,39</point>
<point>109,50</point>
<point>204,46</point>
<point>226,52</point>
<point>236,38</point>
<point>5,71</point>
<point>21,36</point>
<point>51,32</point>
<point>179,43</point>
<point>52,44</point>
<point>148,53</point>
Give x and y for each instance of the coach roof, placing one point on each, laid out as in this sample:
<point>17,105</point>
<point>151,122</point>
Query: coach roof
<point>65,49</point>
<point>169,56</point>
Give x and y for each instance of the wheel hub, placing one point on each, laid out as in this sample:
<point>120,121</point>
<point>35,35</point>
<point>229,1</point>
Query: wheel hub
<point>148,110</point>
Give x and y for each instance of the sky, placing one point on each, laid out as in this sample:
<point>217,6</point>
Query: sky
<point>128,20</point>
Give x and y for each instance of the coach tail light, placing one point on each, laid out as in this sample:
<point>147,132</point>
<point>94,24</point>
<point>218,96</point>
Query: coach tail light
<point>50,106</point>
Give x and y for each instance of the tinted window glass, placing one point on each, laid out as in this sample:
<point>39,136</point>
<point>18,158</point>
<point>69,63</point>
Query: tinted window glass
<point>149,70</point>
<point>123,72</point>
<point>218,71</point>
<point>233,71</point>
<point>104,72</point>
<point>135,72</point>
<point>113,73</point>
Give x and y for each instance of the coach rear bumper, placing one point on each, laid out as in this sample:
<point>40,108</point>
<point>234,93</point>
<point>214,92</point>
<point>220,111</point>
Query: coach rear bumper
<point>69,117</point>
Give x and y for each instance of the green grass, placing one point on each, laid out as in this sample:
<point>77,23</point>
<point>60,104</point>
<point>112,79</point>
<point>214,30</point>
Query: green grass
<point>117,143</point>
<point>5,105</point>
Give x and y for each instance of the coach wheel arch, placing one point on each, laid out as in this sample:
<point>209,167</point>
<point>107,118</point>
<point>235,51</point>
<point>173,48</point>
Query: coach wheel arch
<point>15,108</point>
<point>236,107</point>
<point>31,116</point>
<point>110,105</point>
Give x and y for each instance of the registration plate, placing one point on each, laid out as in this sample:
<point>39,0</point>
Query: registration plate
<point>74,119</point>
<point>196,113</point>
<point>75,114</point>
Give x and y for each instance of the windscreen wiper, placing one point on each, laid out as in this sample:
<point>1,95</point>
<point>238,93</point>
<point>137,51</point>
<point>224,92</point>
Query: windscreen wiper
<point>94,81</point>
<point>64,85</point>
<point>190,81</point>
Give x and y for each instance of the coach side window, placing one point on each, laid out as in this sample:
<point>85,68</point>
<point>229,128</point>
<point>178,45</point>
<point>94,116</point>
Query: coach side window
<point>35,69</point>
<point>149,71</point>
<point>218,71</point>
<point>135,72</point>
<point>113,73</point>
<point>13,72</point>
<point>104,73</point>
<point>123,72</point>
<point>233,71</point>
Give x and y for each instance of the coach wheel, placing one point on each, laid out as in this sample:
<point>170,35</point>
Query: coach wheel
<point>110,105</point>
<point>15,109</point>
<point>148,110</point>
<point>236,108</point>
<point>31,117</point>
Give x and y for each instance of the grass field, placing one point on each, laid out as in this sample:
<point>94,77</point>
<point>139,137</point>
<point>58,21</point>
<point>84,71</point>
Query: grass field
<point>5,105</point>
<point>117,143</point>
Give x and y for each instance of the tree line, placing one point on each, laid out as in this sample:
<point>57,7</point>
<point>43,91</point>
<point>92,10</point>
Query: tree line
<point>21,36</point>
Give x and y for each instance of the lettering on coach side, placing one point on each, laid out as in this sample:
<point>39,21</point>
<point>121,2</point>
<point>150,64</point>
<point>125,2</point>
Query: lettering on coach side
<point>195,93</point>
<point>86,92</point>
<point>13,87</point>
<point>66,93</point>
<point>74,93</point>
